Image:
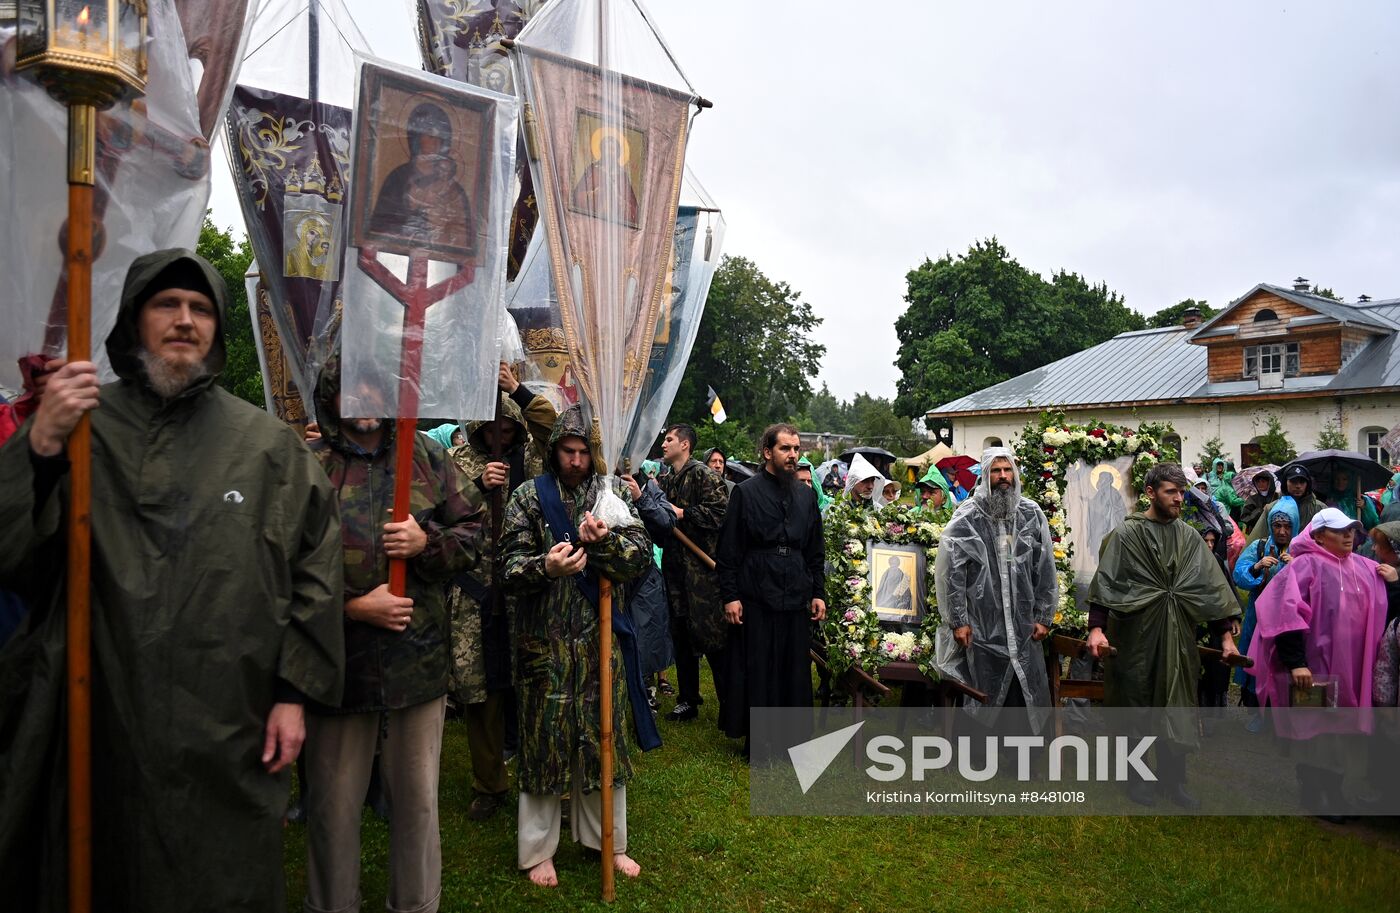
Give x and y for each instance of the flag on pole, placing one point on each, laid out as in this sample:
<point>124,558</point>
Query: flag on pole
<point>716,407</point>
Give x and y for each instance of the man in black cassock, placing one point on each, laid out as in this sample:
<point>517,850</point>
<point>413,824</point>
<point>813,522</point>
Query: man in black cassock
<point>771,579</point>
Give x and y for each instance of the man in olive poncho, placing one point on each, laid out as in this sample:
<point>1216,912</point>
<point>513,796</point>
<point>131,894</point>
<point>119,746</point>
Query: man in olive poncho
<point>216,581</point>
<point>1156,581</point>
<point>553,550</point>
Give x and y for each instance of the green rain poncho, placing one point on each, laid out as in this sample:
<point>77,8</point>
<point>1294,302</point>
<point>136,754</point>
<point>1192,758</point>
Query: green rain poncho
<point>443,434</point>
<point>935,477</point>
<point>216,584</point>
<point>1158,581</point>
<point>823,499</point>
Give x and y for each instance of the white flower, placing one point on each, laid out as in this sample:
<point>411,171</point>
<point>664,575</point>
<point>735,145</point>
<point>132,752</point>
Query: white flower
<point>1132,445</point>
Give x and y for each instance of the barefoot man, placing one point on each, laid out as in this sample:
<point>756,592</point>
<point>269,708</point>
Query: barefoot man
<point>552,552</point>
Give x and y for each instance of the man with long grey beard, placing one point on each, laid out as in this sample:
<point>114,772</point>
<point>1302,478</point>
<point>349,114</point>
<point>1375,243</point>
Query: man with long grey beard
<point>997,591</point>
<point>216,588</point>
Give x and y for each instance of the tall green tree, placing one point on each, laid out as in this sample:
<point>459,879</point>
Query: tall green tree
<point>241,375</point>
<point>825,412</point>
<point>1172,316</point>
<point>754,346</point>
<point>981,317</point>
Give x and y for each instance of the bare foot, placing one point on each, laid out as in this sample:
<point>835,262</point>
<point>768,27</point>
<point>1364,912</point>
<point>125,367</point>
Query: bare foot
<point>626,865</point>
<point>544,874</point>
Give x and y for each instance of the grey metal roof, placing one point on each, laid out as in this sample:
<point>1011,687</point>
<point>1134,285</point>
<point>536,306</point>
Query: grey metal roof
<point>1164,365</point>
<point>1351,314</point>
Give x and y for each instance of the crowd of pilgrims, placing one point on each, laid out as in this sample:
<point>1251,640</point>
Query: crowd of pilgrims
<point>243,625</point>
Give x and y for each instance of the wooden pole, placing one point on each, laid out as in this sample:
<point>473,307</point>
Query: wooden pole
<point>82,144</point>
<point>416,296</point>
<point>605,710</point>
<point>689,543</point>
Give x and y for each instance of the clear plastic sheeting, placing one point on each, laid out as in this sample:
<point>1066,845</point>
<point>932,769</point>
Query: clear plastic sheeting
<point>288,142</point>
<point>432,166</point>
<point>534,309</point>
<point>463,40</point>
<point>151,190</point>
<point>607,115</point>
<point>215,31</point>
<point>698,239</point>
<point>995,571</point>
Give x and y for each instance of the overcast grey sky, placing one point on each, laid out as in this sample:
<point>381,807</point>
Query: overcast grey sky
<point>1171,150</point>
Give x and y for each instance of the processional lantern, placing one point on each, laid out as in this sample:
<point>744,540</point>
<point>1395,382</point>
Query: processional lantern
<point>83,52</point>
<point>88,55</point>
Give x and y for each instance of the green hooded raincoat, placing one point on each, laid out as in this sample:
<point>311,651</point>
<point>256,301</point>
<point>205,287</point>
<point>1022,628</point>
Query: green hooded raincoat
<point>216,572</point>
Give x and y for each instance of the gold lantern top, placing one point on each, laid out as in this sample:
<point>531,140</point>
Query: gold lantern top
<point>83,51</point>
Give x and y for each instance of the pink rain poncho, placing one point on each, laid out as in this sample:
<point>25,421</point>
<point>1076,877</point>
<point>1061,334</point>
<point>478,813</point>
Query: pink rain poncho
<point>1339,604</point>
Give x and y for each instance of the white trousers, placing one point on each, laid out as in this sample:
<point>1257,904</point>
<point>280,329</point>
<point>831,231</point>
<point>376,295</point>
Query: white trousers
<point>538,828</point>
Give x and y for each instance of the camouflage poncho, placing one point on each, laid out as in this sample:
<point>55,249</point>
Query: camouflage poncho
<point>474,672</point>
<point>390,670</point>
<point>556,635</point>
<point>692,589</point>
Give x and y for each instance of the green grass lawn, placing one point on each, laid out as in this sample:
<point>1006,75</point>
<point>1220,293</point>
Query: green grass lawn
<point>700,850</point>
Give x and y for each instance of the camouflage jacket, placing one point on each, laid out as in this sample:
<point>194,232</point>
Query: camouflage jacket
<point>479,666</point>
<point>692,589</point>
<point>557,637</point>
<point>390,670</point>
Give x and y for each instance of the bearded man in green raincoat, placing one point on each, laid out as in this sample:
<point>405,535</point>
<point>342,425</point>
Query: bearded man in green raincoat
<point>216,581</point>
<point>1156,581</point>
<point>551,577</point>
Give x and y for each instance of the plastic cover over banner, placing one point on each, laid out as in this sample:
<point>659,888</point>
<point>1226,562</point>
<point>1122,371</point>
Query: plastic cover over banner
<point>607,117</point>
<point>214,36</point>
<point>698,240</point>
<point>461,39</point>
<point>151,191</point>
<point>432,166</point>
<point>288,142</point>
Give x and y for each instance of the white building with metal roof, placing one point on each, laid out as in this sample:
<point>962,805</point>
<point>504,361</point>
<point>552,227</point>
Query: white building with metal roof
<point>1273,351</point>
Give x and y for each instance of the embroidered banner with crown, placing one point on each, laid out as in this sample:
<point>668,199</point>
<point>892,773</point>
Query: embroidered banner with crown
<point>292,156</point>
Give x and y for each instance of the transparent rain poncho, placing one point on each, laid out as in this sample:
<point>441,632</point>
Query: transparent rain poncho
<point>433,161</point>
<point>998,576</point>
<point>288,142</point>
<point>151,191</point>
<point>606,119</point>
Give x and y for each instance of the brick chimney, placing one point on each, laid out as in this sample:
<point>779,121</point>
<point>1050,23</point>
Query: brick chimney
<point>1301,285</point>
<point>1191,318</point>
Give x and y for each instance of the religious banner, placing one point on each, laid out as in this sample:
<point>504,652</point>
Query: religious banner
<point>461,39</point>
<point>292,155</point>
<point>151,190</point>
<point>283,399</point>
<point>287,133</point>
<point>608,152</point>
<point>425,268</point>
<point>1097,498</point>
<point>698,235</point>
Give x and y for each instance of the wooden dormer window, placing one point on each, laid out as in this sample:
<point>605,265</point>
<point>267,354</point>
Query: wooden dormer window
<point>1279,358</point>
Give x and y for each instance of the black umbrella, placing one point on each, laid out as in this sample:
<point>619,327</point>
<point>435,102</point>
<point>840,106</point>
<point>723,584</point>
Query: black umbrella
<point>879,457</point>
<point>737,471</point>
<point>1324,464</point>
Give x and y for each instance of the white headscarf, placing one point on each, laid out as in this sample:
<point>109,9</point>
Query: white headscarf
<point>877,496</point>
